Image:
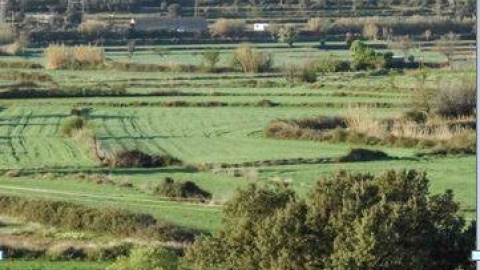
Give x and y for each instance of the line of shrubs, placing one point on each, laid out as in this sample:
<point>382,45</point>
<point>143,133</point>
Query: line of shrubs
<point>337,129</point>
<point>26,76</point>
<point>61,93</point>
<point>106,220</point>
<point>240,83</point>
<point>16,248</point>
<point>20,64</point>
<point>120,91</point>
<point>261,103</point>
<point>133,158</point>
<point>124,66</point>
<point>137,67</point>
<point>354,155</point>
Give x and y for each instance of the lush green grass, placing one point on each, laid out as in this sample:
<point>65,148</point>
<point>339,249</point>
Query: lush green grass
<point>455,173</point>
<point>29,136</point>
<point>184,214</point>
<point>197,135</point>
<point>191,54</point>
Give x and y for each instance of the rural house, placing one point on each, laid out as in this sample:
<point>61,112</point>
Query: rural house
<point>260,27</point>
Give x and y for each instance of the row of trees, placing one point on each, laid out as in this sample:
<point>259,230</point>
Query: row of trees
<point>347,221</point>
<point>466,7</point>
<point>370,27</point>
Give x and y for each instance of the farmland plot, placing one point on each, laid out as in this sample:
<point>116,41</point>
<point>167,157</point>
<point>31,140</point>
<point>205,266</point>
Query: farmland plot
<point>30,138</point>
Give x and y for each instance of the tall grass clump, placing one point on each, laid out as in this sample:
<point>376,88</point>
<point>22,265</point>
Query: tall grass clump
<point>448,99</point>
<point>92,28</point>
<point>306,73</point>
<point>359,126</point>
<point>72,124</point>
<point>57,56</point>
<point>455,99</point>
<point>64,57</point>
<point>89,54</point>
<point>320,26</point>
<point>361,119</point>
<point>249,60</point>
<point>7,34</point>
<point>228,28</point>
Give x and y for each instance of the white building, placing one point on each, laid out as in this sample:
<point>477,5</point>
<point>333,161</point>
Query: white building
<point>260,27</point>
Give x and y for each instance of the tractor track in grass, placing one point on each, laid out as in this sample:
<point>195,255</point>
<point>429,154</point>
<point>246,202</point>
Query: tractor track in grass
<point>23,127</point>
<point>152,145</point>
<point>111,137</point>
<point>150,125</point>
<point>15,135</point>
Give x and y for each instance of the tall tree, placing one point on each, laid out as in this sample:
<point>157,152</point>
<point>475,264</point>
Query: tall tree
<point>348,221</point>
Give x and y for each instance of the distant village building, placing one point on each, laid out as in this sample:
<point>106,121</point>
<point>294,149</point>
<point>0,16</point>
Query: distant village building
<point>43,18</point>
<point>179,25</point>
<point>260,27</point>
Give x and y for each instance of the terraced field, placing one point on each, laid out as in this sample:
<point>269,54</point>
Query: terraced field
<point>30,138</point>
<point>215,119</point>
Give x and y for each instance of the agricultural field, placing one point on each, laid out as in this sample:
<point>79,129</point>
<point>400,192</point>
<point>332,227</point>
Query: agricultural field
<point>216,123</point>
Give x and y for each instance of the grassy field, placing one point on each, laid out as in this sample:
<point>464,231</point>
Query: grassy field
<point>30,138</point>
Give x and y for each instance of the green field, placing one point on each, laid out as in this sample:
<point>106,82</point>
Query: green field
<point>30,138</point>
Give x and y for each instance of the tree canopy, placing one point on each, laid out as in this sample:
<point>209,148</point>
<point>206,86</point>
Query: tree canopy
<point>348,221</point>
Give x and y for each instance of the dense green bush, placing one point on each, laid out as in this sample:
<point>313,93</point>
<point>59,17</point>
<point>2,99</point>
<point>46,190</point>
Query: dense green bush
<point>147,259</point>
<point>139,159</point>
<point>211,57</point>
<point>415,115</point>
<point>287,34</point>
<point>361,154</point>
<point>364,57</point>
<point>348,221</point>
<point>72,124</point>
<point>178,190</point>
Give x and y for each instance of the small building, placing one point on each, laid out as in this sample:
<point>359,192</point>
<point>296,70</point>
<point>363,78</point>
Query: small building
<point>42,18</point>
<point>179,25</point>
<point>260,27</point>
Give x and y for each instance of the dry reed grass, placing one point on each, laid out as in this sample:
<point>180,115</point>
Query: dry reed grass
<point>92,27</point>
<point>61,56</point>
<point>7,35</point>
<point>361,120</point>
<point>249,60</point>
